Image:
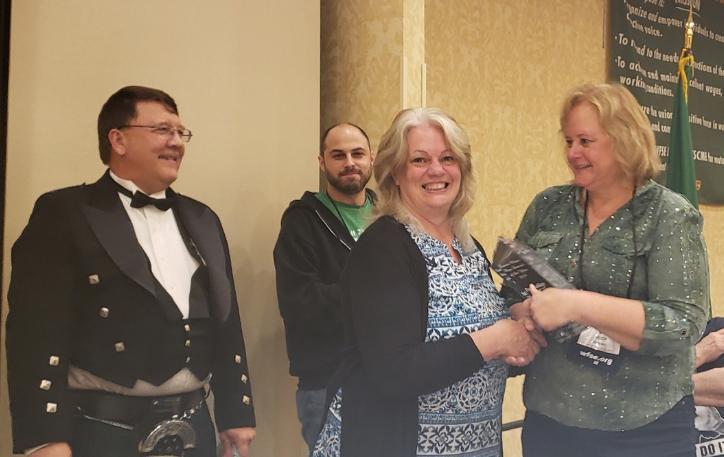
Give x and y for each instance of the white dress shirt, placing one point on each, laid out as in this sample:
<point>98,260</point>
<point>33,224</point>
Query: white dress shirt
<point>173,266</point>
<point>159,236</point>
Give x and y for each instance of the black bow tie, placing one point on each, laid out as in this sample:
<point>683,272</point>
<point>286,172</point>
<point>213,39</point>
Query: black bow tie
<point>139,200</point>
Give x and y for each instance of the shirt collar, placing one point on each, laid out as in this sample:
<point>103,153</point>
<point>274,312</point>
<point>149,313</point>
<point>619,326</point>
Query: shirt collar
<point>132,187</point>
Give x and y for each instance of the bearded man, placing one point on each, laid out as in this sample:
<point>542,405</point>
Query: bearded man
<point>316,236</point>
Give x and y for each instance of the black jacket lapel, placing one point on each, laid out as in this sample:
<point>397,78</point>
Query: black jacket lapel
<point>206,234</point>
<point>114,230</point>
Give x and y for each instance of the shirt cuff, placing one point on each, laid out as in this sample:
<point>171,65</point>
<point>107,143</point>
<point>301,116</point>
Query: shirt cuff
<point>36,448</point>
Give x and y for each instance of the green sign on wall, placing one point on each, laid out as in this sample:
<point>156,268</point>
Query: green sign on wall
<point>647,37</point>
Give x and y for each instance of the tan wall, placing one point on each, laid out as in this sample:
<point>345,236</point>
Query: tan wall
<point>246,77</point>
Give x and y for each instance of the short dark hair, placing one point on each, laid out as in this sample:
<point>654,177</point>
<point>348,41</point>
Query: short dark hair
<point>120,108</point>
<point>329,129</point>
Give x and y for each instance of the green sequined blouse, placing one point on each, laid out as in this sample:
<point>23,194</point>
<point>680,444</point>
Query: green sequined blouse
<point>672,281</point>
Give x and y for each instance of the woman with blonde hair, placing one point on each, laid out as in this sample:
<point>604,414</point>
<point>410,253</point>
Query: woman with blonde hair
<point>427,334</point>
<point>635,252</point>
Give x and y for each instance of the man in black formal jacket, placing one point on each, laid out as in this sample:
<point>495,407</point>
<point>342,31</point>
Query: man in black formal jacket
<point>123,311</point>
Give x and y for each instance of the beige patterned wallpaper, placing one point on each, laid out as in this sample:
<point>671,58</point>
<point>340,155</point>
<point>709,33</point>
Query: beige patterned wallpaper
<point>361,51</point>
<point>413,53</point>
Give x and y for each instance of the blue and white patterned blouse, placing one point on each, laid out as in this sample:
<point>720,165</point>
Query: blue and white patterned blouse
<point>462,419</point>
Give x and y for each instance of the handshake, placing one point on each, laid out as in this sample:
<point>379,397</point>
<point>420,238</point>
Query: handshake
<point>524,272</point>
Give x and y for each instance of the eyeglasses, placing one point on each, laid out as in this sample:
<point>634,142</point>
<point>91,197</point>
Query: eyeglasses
<point>165,130</point>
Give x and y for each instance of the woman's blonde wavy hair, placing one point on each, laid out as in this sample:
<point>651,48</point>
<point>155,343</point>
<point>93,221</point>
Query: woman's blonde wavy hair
<point>627,126</point>
<point>392,156</point>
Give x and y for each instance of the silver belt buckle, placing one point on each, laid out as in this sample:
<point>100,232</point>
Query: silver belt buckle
<point>168,429</point>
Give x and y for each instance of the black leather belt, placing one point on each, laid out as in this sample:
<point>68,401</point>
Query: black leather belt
<point>134,410</point>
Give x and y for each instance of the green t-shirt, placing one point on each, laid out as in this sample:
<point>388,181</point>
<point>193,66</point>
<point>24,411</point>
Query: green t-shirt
<point>355,218</point>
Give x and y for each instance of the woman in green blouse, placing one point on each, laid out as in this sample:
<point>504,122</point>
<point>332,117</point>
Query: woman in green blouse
<point>634,251</point>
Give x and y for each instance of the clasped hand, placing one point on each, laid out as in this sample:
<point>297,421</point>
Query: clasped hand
<point>521,347</point>
<point>507,340</point>
<point>552,308</point>
<point>544,310</point>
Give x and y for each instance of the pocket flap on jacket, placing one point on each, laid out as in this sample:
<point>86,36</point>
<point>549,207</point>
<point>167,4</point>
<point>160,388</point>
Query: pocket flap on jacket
<point>543,239</point>
<point>624,246</point>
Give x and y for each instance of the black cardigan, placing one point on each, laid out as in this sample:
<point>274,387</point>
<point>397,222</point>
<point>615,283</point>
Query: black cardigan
<point>387,363</point>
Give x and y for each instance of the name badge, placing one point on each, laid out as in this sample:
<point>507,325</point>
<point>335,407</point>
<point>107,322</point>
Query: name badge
<point>596,350</point>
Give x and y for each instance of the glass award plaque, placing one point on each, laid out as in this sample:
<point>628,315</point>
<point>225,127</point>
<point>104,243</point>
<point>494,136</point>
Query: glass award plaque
<point>520,266</point>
